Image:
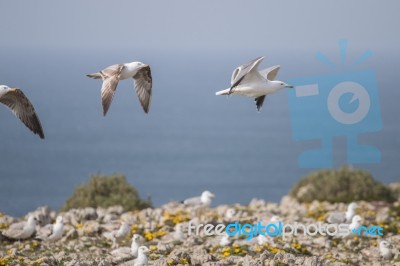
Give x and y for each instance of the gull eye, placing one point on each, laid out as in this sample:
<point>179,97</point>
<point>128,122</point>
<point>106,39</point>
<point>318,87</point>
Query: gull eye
<point>281,83</point>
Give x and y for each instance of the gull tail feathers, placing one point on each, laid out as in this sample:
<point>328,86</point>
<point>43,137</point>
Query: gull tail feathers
<point>223,92</point>
<point>95,75</point>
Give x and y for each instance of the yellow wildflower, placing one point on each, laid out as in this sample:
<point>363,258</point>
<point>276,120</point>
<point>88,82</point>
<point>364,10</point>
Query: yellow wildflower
<point>184,261</point>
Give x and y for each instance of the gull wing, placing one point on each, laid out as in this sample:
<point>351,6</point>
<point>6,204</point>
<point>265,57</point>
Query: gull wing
<point>259,102</point>
<point>336,218</point>
<point>271,72</point>
<point>143,84</point>
<point>240,72</point>
<point>110,77</point>
<point>20,105</point>
<point>192,201</point>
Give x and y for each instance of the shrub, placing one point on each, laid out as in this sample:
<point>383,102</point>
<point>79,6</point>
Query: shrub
<point>340,185</point>
<point>106,191</point>
<point>395,188</point>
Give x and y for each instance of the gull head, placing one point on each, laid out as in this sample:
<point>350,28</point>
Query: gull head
<point>136,238</point>
<point>356,219</point>
<point>352,206</point>
<point>32,221</point>
<point>136,65</point>
<point>4,89</point>
<point>206,197</point>
<point>384,244</point>
<point>278,85</point>
<point>207,194</point>
<point>230,213</point>
<point>143,250</point>
<point>59,219</point>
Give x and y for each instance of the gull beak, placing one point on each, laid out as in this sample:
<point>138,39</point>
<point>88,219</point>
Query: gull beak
<point>13,89</point>
<point>212,195</point>
<point>289,86</point>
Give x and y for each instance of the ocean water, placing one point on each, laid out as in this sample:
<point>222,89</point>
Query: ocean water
<point>190,141</point>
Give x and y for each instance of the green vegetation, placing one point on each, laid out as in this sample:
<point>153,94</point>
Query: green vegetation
<point>106,191</point>
<point>395,188</point>
<point>340,185</point>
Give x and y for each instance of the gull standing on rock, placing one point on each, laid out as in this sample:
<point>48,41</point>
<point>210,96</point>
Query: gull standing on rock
<point>24,232</point>
<point>20,105</point>
<point>339,217</point>
<point>117,236</point>
<point>204,200</point>
<point>225,240</point>
<point>178,233</point>
<point>384,250</point>
<point>136,242</point>
<point>229,214</point>
<point>123,253</point>
<point>266,238</point>
<point>142,257</point>
<point>111,75</point>
<point>246,80</point>
<point>57,230</point>
<point>355,223</point>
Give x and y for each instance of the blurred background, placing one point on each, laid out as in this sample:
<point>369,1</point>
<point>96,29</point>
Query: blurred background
<point>191,140</point>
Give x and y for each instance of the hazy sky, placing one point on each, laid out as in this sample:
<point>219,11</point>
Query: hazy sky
<point>200,25</point>
<point>47,47</point>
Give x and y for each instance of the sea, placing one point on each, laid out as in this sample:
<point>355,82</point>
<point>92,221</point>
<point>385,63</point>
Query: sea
<point>190,141</point>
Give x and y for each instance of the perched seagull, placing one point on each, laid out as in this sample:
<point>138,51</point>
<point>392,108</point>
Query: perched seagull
<point>57,230</point>
<point>230,213</point>
<point>126,252</point>
<point>117,236</point>
<point>178,233</point>
<point>384,249</point>
<point>225,240</point>
<point>142,257</point>
<point>339,217</point>
<point>266,238</point>
<point>136,242</point>
<point>111,75</point>
<point>20,105</point>
<point>355,223</point>
<point>204,200</point>
<point>25,232</point>
<point>246,80</point>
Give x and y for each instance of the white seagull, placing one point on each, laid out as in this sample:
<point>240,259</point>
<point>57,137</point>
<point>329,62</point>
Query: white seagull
<point>248,81</point>
<point>230,213</point>
<point>136,242</point>
<point>384,249</point>
<point>57,230</point>
<point>340,217</point>
<point>178,233</point>
<point>355,223</point>
<point>142,257</point>
<point>24,232</point>
<point>20,105</point>
<point>205,199</point>
<point>126,252</point>
<point>225,240</point>
<point>117,236</point>
<point>139,71</point>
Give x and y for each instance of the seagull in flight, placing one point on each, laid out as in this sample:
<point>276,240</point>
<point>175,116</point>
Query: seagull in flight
<point>111,75</point>
<point>246,80</point>
<point>22,108</point>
